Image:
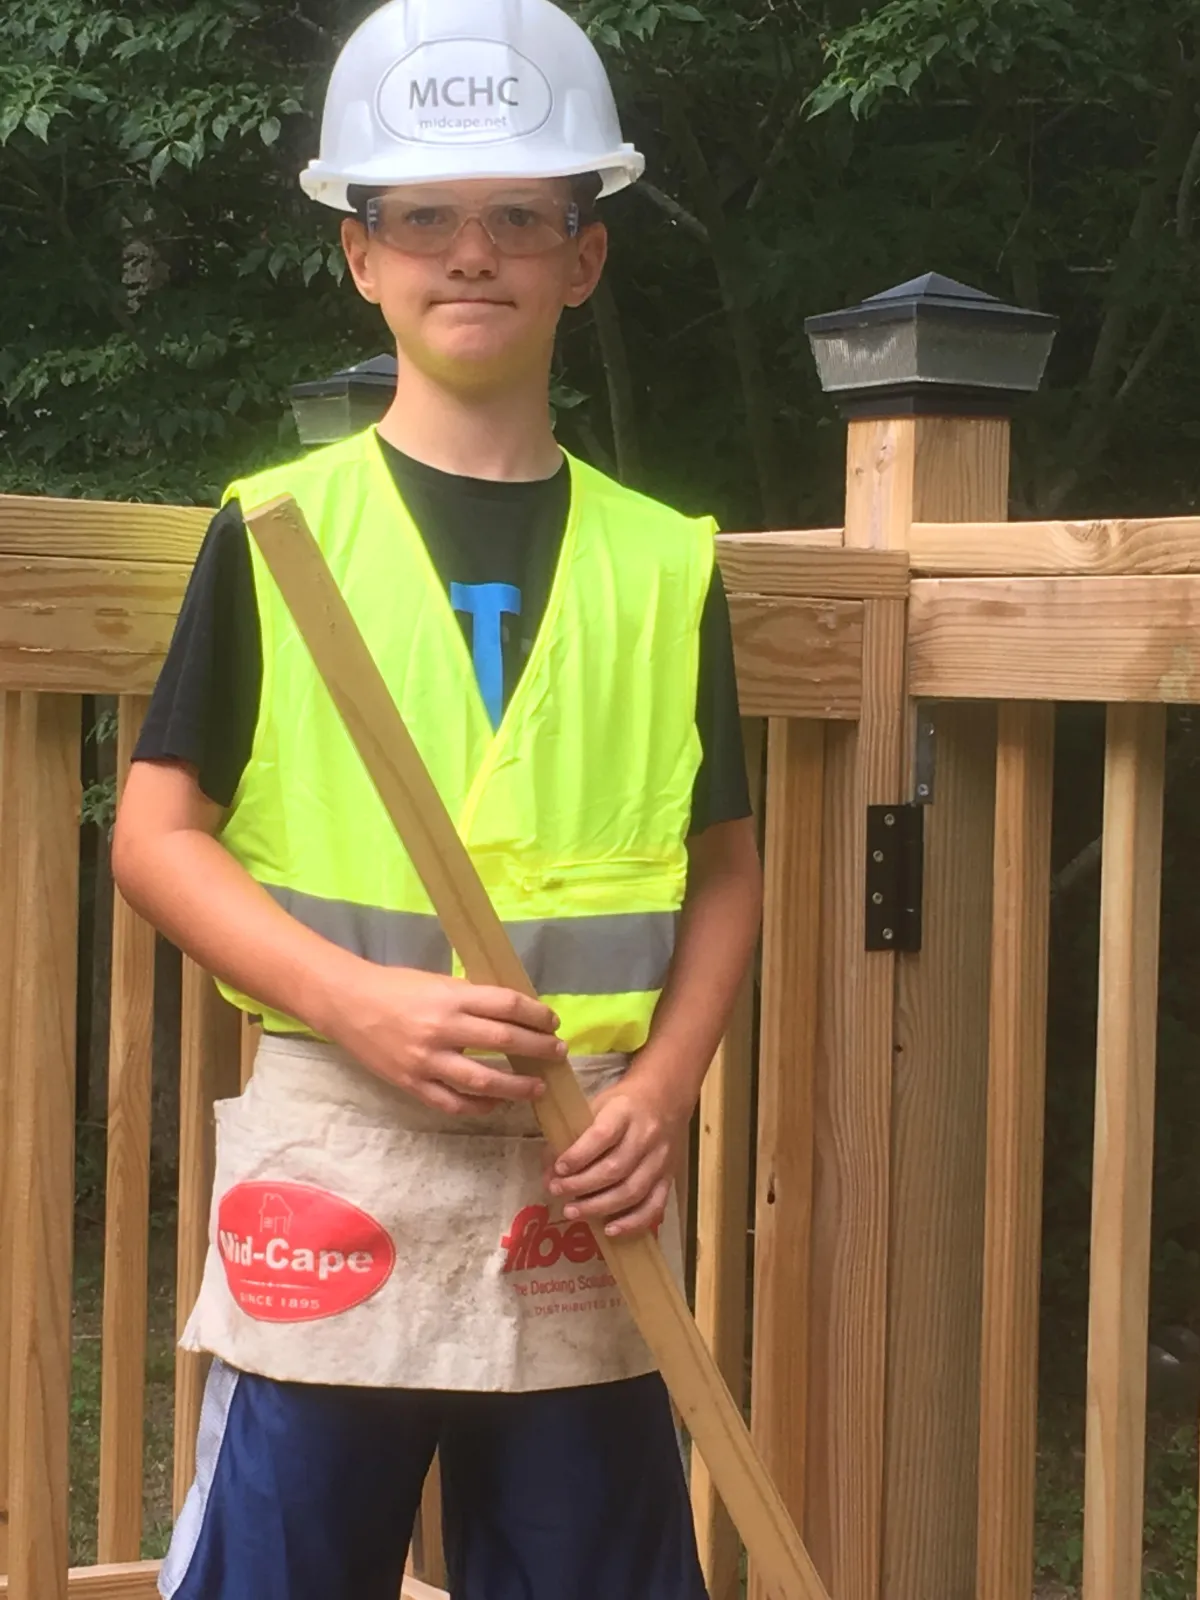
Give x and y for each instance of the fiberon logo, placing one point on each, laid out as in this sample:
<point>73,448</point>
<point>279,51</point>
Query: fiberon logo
<point>464,91</point>
<point>533,1241</point>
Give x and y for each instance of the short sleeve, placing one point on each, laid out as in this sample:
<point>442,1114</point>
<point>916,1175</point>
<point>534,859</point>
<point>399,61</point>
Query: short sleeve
<point>721,792</point>
<point>204,708</point>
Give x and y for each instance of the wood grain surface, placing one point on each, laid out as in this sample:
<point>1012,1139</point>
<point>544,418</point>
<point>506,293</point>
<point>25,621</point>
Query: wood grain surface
<point>10,705</point>
<point>722,1235</point>
<point>43,1176</point>
<point>126,1207</point>
<point>1098,639</point>
<point>1123,1161</point>
<point>786,1094</point>
<point>1102,548</point>
<point>84,626</point>
<point>781,565</point>
<point>101,530</point>
<point>797,658</point>
<point>1016,1124</point>
<point>210,1070</point>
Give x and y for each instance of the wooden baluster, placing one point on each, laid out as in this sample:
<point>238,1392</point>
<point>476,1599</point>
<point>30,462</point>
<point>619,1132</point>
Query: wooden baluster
<point>43,1166</point>
<point>1123,1167</point>
<point>1016,1125</point>
<point>786,1091</point>
<point>127,1207</point>
<point>9,861</point>
<point>722,1218</point>
<point>210,1070</point>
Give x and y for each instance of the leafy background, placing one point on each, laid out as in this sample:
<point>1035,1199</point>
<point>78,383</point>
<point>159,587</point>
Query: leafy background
<point>165,281</point>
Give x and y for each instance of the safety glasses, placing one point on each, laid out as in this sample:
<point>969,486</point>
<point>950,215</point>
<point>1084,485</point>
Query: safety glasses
<point>429,227</point>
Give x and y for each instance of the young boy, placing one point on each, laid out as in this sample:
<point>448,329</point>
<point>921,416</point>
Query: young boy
<point>395,1265</point>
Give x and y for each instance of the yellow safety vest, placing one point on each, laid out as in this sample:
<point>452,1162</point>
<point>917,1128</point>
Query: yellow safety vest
<point>575,810</point>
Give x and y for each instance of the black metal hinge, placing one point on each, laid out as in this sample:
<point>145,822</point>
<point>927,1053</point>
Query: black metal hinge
<point>895,876</point>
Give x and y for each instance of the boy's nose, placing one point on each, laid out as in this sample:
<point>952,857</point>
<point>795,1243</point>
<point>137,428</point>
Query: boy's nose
<point>472,254</point>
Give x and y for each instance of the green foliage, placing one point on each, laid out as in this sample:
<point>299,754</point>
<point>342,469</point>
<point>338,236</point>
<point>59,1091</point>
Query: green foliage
<point>165,280</point>
<point>908,45</point>
<point>1169,1568</point>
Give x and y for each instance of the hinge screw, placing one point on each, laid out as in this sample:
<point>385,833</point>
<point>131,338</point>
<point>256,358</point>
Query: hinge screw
<point>888,935</point>
<point>889,819</point>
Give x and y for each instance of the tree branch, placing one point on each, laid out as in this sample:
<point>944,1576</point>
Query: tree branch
<point>62,222</point>
<point>615,358</point>
<point>674,210</point>
<point>1103,395</point>
<point>732,275</point>
<point>776,153</point>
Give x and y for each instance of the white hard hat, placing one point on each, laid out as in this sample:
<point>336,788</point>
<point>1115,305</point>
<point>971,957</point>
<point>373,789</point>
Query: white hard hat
<point>429,90</point>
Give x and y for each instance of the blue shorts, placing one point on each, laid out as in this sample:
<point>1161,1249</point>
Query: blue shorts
<point>310,1493</point>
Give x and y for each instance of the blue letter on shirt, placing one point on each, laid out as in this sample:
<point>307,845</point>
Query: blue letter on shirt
<point>485,603</point>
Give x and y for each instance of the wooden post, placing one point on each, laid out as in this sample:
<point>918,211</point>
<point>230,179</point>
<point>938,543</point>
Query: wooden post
<point>127,1207</point>
<point>1123,1168</point>
<point>9,859</point>
<point>43,1175</point>
<point>722,1246</point>
<point>1016,1118</point>
<point>210,1069</point>
<point>901,1510</point>
<point>786,1082</point>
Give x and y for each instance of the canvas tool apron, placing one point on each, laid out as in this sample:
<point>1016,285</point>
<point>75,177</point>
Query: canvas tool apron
<point>358,1237</point>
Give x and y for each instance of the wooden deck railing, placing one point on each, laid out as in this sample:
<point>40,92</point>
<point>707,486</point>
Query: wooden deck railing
<point>821,1201</point>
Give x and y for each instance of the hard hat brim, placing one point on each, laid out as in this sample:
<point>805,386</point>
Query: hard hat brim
<point>321,182</point>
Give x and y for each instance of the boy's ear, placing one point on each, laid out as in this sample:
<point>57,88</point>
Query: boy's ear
<point>354,245</point>
<point>591,252</point>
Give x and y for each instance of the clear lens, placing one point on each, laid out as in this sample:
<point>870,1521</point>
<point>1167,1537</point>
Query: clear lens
<point>516,228</point>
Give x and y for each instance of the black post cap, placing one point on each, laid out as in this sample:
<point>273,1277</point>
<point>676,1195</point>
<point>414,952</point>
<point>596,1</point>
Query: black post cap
<point>930,346</point>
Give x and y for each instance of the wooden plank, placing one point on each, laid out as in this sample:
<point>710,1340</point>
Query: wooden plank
<point>127,1207</point>
<point>414,1589</point>
<point>786,1094</point>
<point>797,658</point>
<point>1123,1164</point>
<point>100,530</point>
<point>431,1562</point>
<point>210,1070</point>
<point>1106,548</point>
<point>1016,1118</point>
<point>722,1245</point>
<point>9,861</point>
<point>777,565</point>
<point>800,538</point>
<point>139,1581</point>
<point>470,921</point>
<point>127,1581</point>
<point>251,1034</point>
<point>1101,639</point>
<point>86,627</point>
<point>43,1141</point>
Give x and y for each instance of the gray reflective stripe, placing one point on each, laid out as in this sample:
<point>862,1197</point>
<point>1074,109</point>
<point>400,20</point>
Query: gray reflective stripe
<point>391,938</point>
<point>625,953</point>
<point>621,954</point>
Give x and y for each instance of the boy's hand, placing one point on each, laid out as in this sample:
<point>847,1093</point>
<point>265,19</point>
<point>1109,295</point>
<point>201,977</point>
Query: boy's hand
<point>413,1028</point>
<point>620,1171</point>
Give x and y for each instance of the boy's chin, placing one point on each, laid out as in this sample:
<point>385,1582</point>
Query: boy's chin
<point>472,363</point>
